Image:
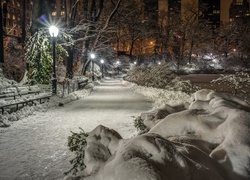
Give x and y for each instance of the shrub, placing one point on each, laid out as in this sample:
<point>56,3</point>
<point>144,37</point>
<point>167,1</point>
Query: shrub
<point>239,82</point>
<point>77,144</point>
<point>138,123</point>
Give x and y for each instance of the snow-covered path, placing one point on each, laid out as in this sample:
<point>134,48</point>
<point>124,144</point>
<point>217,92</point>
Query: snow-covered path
<point>35,148</point>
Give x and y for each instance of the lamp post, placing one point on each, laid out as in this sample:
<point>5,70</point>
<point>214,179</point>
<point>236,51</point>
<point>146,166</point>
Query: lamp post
<point>92,57</point>
<point>118,68</point>
<point>102,62</point>
<point>53,30</point>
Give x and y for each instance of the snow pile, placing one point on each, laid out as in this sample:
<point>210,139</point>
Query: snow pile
<point>207,140</point>
<point>162,96</point>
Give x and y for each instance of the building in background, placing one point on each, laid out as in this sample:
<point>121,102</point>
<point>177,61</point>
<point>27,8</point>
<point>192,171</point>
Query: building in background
<point>17,15</point>
<point>209,12</point>
<point>238,9</point>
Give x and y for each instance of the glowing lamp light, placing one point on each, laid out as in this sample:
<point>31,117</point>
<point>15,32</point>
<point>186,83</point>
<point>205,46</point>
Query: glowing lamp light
<point>92,56</point>
<point>53,30</point>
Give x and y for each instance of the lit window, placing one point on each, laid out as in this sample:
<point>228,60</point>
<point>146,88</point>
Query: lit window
<point>216,11</point>
<point>62,13</point>
<point>53,13</point>
<point>14,17</point>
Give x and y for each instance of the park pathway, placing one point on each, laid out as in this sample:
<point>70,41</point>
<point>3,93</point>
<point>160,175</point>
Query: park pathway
<point>35,147</point>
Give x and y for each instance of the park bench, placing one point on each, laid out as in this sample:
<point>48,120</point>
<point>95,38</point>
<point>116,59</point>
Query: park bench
<point>14,92</point>
<point>21,96</point>
<point>24,102</point>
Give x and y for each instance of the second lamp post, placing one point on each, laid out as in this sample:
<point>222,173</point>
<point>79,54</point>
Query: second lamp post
<point>92,57</point>
<point>53,30</point>
<point>102,62</point>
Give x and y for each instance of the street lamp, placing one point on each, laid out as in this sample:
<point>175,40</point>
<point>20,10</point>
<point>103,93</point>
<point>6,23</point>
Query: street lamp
<point>53,30</point>
<point>92,56</point>
<point>102,62</point>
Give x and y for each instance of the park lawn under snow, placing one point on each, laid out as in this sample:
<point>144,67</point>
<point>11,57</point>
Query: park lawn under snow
<point>206,138</point>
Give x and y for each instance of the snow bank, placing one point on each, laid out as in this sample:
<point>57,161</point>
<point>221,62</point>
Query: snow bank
<point>215,118</point>
<point>207,140</point>
<point>147,156</point>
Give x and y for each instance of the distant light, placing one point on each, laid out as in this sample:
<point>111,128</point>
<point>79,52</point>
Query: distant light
<point>234,50</point>
<point>53,30</point>
<point>135,62</point>
<point>92,56</point>
<point>159,63</point>
<point>118,62</point>
<point>215,60</point>
<point>102,61</point>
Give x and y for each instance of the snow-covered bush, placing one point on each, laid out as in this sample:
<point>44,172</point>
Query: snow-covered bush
<point>160,77</point>
<point>238,82</point>
<point>152,76</point>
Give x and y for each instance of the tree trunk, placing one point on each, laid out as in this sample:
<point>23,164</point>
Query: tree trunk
<point>24,22</point>
<point>1,36</point>
<point>94,16</point>
<point>191,50</point>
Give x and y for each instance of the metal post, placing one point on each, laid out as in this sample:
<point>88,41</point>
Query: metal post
<point>102,71</point>
<point>92,67</point>
<point>54,81</point>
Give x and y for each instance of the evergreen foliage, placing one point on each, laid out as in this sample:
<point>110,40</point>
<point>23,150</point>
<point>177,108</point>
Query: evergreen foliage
<point>138,123</point>
<point>38,52</point>
<point>77,144</point>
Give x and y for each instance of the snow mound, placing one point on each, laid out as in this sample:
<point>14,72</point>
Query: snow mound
<point>151,118</point>
<point>151,157</point>
<point>207,140</point>
<point>215,118</point>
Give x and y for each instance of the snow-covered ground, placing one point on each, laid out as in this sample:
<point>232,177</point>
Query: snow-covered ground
<point>35,147</point>
<point>207,140</point>
<point>203,136</point>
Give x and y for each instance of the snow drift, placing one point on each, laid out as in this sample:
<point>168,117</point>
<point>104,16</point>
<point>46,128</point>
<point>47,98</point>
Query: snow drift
<point>207,140</point>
